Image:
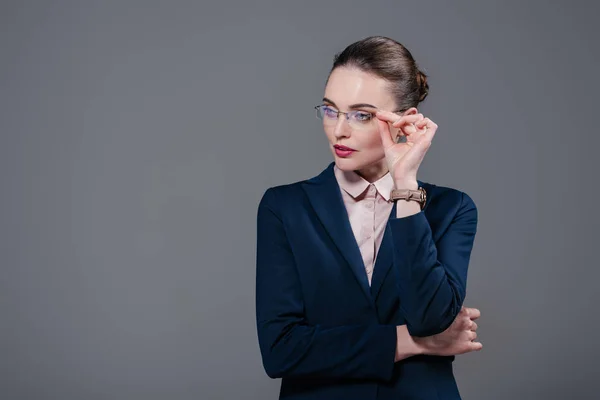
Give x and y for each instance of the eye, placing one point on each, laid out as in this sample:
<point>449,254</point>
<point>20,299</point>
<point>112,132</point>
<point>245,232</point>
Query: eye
<point>363,116</point>
<point>329,112</point>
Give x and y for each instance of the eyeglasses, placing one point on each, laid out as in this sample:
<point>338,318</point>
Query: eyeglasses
<point>357,119</point>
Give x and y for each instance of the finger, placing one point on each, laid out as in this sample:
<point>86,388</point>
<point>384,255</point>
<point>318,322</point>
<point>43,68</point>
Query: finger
<point>474,313</point>
<point>423,122</point>
<point>389,116</point>
<point>428,128</point>
<point>407,129</point>
<point>474,325</point>
<point>386,135</point>
<point>424,125</point>
<point>463,323</point>
<point>471,335</point>
<point>408,119</point>
<point>475,346</point>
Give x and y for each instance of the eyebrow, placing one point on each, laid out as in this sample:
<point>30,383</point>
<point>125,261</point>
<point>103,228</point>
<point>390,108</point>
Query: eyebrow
<point>352,106</point>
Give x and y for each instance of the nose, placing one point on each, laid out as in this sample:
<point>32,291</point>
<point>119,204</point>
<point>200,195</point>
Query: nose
<point>341,129</point>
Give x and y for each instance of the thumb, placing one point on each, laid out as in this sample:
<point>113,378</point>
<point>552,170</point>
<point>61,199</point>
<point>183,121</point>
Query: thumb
<point>384,132</point>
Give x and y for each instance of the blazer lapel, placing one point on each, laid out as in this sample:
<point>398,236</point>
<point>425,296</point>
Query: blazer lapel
<point>324,195</point>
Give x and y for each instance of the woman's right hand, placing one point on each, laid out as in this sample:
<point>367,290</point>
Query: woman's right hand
<point>459,338</point>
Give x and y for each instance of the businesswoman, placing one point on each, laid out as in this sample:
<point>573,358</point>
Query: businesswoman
<point>361,271</point>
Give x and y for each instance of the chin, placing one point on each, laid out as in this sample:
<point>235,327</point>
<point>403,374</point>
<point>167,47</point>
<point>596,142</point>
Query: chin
<point>347,164</point>
<point>350,164</point>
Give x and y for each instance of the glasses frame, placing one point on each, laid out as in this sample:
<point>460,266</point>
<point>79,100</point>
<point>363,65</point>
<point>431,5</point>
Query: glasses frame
<point>347,113</point>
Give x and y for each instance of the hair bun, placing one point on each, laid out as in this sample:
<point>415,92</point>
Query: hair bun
<point>389,60</point>
<point>423,86</point>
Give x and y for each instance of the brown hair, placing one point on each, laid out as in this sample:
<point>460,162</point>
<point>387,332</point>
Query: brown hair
<point>390,60</point>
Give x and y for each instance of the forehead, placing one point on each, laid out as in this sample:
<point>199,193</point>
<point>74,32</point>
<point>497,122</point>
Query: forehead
<point>351,86</point>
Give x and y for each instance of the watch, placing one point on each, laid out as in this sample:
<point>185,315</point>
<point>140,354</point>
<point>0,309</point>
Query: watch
<point>419,195</point>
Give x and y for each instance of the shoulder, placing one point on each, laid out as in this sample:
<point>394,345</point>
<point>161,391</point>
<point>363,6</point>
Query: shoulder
<point>278,196</point>
<point>293,195</point>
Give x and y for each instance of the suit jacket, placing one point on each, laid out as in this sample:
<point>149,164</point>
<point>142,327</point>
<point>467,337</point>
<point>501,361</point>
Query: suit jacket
<point>322,328</point>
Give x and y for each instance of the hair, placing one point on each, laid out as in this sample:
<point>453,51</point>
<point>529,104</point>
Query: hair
<point>390,60</point>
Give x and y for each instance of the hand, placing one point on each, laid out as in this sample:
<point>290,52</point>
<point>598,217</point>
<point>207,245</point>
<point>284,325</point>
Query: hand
<point>459,338</point>
<point>404,159</point>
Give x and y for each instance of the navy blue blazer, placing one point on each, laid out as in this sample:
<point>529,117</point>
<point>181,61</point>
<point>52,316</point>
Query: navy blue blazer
<point>328,333</point>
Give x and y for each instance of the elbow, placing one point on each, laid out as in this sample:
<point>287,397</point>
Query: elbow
<point>276,363</point>
<point>429,322</point>
<point>273,371</point>
<point>271,362</point>
<point>274,366</point>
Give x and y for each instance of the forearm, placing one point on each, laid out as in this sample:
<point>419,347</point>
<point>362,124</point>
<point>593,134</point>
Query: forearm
<point>357,351</point>
<point>432,274</point>
<point>429,298</point>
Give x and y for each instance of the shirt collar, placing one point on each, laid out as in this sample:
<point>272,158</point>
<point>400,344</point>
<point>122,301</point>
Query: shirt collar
<point>355,185</point>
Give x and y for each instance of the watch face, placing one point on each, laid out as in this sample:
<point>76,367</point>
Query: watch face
<point>423,197</point>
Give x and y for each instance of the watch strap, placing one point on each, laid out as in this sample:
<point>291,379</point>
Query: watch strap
<point>418,195</point>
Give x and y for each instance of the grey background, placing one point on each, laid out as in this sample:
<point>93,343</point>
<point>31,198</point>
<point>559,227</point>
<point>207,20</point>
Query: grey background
<point>136,138</point>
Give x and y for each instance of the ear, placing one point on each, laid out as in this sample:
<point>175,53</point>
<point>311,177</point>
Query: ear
<point>411,111</point>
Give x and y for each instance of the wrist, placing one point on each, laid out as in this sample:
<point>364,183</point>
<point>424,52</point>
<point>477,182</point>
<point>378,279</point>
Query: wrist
<point>421,345</point>
<point>411,184</point>
<point>406,346</point>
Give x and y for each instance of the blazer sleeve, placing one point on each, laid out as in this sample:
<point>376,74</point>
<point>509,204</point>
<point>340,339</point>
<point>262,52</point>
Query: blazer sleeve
<point>289,345</point>
<point>433,277</point>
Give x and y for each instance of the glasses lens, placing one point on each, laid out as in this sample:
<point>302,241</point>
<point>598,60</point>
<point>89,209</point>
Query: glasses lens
<point>361,120</point>
<point>319,111</point>
<point>327,114</point>
<point>358,119</point>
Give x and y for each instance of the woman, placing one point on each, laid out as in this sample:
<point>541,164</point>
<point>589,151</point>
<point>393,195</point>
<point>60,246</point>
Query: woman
<point>362,270</point>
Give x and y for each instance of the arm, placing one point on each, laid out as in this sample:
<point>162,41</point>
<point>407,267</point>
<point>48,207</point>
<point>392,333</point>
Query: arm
<point>433,278</point>
<point>289,345</point>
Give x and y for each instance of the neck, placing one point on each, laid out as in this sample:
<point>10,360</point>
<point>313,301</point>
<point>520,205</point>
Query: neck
<point>373,172</point>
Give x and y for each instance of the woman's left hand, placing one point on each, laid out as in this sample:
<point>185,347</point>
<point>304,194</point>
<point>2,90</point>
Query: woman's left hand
<point>404,159</point>
<point>458,338</point>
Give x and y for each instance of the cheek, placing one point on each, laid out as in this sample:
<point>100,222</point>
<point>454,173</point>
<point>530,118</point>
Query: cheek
<point>371,140</point>
<point>328,131</point>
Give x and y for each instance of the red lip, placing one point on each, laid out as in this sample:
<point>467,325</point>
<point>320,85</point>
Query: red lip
<point>343,148</point>
<point>343,151</point>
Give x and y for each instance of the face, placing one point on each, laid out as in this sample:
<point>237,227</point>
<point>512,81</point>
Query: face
<point>350,89</point>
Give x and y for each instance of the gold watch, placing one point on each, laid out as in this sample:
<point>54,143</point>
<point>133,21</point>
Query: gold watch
<point>419,195</point>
